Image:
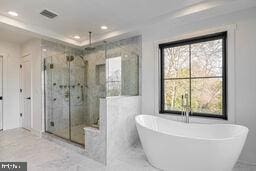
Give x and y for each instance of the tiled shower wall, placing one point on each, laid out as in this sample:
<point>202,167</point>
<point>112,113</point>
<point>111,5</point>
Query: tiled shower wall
<point>96,84</point>
<point>88,77</point>
<point>57,106</point>
<point>129,50</point>
<point>117,131</point>
<point>63,79</point>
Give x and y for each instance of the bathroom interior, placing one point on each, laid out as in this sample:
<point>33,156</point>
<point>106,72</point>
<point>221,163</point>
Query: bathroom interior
<point>75,80</point>
<point>130,85</point>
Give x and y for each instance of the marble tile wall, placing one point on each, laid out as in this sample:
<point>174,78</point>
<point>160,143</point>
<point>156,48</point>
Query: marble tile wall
<point>65,82</point>
<point>96,139</point>
<point>78,92</point>
<point>130,52</point>
<point>50,48</point>
<point>87,75</point>
<point>121,130</point>
<point>117,132</point>
<point>95,81</point>
<point>56,103</point>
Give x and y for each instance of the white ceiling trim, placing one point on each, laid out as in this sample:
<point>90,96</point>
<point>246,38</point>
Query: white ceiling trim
<point>195,9</point>
<point>171,16</point>
<point>219,6</point>
<point>37,30</point>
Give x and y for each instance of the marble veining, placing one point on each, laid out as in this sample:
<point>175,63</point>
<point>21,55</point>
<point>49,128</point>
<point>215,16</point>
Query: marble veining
<point>121,129</point>
<point>95,81</point>
<point>44,155</point>
<point>96,139</point>
<point>117,132</point>
<point>65,92</point>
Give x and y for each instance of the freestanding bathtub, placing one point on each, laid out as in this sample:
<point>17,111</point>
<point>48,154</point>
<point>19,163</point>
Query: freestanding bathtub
<point>177,146</point>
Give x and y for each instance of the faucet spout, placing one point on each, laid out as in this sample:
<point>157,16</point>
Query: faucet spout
<point>185,108</point>
<point>187,116</point>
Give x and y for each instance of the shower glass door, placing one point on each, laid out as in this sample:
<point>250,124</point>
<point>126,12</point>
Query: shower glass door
<point>65,96</point>
<point>57,94</point>
<point>78,91</point>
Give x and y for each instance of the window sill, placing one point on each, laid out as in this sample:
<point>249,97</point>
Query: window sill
<point>201,115</point>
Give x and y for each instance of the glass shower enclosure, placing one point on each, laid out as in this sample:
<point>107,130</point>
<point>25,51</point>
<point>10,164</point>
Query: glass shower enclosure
<point>66,96</point>
<point>75,81</point>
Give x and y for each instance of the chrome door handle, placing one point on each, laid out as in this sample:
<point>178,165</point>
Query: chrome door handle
<point>28,98</point>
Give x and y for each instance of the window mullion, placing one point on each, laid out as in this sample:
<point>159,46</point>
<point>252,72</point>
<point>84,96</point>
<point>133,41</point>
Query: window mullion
<point>166,105</point>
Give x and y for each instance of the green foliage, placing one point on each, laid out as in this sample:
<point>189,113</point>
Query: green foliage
<point>206,61</point>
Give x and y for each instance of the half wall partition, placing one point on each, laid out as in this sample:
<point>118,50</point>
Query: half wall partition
<point>85,89</point>
<point>68,103</point>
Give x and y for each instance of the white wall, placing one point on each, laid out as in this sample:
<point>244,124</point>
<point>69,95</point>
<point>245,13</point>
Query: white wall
<point>33,49</point>
<point>11,53</point>
<point>241,63</point>
<point>246,83</point>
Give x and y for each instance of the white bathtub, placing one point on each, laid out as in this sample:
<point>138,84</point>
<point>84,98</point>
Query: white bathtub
<point>177,146</point>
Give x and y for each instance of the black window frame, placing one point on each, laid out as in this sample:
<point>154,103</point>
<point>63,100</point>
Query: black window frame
<point>190,41</point>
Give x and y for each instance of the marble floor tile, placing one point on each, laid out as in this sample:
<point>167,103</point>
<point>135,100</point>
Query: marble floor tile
<point>44,155</point>
<point>77,133</point>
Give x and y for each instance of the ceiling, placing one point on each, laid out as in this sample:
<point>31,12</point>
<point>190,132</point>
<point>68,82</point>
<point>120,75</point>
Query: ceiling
<point>11,34</point>
<point>77,17</point>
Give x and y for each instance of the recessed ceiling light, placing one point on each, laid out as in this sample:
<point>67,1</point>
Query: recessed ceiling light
<point>44,50</point>
<point>104,27</point>
<point>77,37</point>
<point>13,13</point>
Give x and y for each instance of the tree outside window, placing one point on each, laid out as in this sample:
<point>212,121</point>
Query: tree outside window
<point>195,66</point>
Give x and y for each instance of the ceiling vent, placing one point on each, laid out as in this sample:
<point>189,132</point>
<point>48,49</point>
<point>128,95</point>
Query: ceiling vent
<point>48,14</point>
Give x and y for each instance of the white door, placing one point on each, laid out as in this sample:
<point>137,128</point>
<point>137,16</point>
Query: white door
<point>1,92</point>
<point>26,94</point>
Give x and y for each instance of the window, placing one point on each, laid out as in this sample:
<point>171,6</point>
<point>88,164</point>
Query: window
<point>114,66</point>
<point>196,67</point>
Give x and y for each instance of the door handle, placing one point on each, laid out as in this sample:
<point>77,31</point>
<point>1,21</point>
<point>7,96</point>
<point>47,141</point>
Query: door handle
<point>28,98</point>
<point>1,97</point>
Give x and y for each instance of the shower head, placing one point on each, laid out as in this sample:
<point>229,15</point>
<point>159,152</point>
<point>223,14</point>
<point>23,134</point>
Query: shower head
<point>70,58</point>
<point>84,61</point>
<point>90,47</point>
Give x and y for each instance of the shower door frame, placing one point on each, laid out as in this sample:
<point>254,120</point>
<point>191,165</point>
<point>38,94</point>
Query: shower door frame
<point>2,92</point>
<point>69,107</point>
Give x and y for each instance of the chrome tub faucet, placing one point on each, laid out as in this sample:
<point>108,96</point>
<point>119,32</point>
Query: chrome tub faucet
<point>186,109</point>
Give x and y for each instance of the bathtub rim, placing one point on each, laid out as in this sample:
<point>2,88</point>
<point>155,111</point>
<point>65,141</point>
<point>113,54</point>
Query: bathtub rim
<point>244,129</point>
